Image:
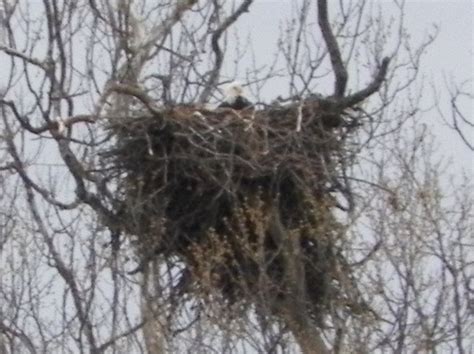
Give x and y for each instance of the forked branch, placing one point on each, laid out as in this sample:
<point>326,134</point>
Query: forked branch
<point>338,67</point>
<point>373,87</point>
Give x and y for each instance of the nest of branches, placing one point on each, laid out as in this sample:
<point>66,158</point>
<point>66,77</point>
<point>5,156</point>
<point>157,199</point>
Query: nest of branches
<point>242,198</point>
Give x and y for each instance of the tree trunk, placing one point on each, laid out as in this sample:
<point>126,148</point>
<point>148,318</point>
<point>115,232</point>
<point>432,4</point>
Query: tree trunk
<point>153,329</point>
<point>293,309</point>
<point>306,334</point>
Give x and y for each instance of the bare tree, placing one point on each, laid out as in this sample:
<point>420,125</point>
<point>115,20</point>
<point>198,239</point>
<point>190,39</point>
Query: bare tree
<point>73,279</point>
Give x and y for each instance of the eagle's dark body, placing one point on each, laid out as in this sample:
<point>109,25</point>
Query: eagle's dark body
<point>235,98</point>
<point>238,103</point>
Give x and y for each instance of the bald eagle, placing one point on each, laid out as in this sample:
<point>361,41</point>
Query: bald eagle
<point>235,98</point>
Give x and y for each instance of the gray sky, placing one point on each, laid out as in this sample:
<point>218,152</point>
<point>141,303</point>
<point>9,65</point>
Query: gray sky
<point>449,58</point>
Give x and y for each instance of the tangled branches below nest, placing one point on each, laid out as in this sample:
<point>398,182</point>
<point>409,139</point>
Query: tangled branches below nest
<point>242,198</point>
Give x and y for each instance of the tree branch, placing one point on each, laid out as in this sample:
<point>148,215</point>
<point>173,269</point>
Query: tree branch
<point>51,125</point>
<point>19,167</point>
<point>334,53</point>
<point>156,34</point>
<point>14,53</point>
<point>135,92</point>
<point>219,55</point>
<point>373,87</point>
<point>22,337</point>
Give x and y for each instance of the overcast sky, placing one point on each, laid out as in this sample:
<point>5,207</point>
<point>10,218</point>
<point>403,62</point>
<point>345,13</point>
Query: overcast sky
<point>450,56</point>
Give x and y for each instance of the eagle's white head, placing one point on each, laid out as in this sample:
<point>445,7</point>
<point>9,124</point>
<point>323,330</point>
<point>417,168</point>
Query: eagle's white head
<point>234,90</point>
<point>235,97</point>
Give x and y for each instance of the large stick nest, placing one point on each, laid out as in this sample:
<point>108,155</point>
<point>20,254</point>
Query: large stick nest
<point>242,198</point>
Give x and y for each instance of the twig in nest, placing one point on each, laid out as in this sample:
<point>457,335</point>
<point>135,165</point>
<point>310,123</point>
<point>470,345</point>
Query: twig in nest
<point>150,148</point>
<point>299,118</point>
